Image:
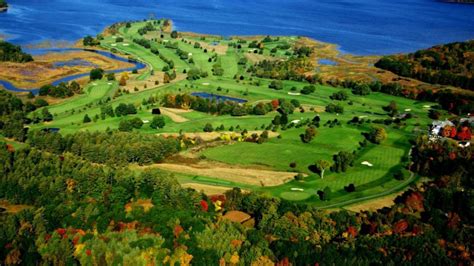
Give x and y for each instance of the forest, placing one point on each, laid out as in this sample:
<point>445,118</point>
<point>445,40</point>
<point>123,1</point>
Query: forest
<point>13,53</point>
<point>83,178</point>
<point>449,64</point>
<point>83,206</point>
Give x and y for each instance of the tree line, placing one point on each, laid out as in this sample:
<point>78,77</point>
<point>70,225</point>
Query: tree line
<point>113,147</point>
<point>13,53</point>
<point>449,64</point>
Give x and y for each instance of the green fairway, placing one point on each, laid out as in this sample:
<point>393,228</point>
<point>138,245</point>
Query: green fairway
<point>287,153</point>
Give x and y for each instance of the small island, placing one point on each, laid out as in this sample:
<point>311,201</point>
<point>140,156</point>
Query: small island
<point>3,6</point>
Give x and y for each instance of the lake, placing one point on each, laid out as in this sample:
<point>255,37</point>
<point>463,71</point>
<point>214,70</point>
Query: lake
<point>357,26</point>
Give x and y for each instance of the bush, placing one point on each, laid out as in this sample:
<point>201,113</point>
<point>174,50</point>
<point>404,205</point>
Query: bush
<point>86,119</point>
<point>299,177</point>
<point>96,74</point>
<point>334,108</point>
<point>208,128</point>
<point>350,188</point>
<point>276,85</point>
<point>339,96</point>
<point>308,89</point>
<point>309,134</point>
<point>376,135</point>
<point>125,126</point>
<point>157,122</point>
<point>136,122</point>
<point>399,175</point>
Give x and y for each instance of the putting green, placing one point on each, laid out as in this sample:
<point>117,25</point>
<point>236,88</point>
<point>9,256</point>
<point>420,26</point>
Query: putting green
<point>295,195</point>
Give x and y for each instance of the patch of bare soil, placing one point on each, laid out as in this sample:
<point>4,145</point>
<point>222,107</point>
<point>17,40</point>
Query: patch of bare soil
<point>250,176</point>
<point>174,115</point>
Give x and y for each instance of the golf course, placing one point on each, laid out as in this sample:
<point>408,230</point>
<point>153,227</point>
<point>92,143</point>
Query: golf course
<point>220,153</point>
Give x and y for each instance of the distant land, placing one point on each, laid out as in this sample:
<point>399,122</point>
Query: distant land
<point>460,1</point>
<point>351,29</point>
<point>3,6</point>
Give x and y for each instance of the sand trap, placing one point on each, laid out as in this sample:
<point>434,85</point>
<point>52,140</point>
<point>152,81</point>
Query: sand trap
<point>255,177</point>
<point>206,84</point>
<point>294,93</point>
<point>113,44</point>
<point>125,44</point>
<point>207,189</point>
<point>426,106</point>
<point>407,110</point>
<point>296,189</point>
<point>367,163</point>
<point>146,121</point>
<point>295,121</point>
<point>110,83</point>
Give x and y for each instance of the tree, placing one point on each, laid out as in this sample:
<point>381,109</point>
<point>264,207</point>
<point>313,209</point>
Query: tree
<point>309,134</point>
<point>96,73</point>
<point>327,193</point>
<point>339,96</point>
<point>322,166</point>
<point>110,76</point>
<point>47,116</point>
<point>276,85</point>
<point>376,135</point>
<point>158,122</point>
<point>308,89</point>
<point>208,128</point>
<point>125,126</point>
<point>123,79</point>
<point>13,53</point>
<point>174,34</point>
<point>334,108</point>
<point>136,122</point>
<point>86,119</point>
<point>342,161</point>
<point>434,114</point>
<point>89,41</point>
<point>391,108</point>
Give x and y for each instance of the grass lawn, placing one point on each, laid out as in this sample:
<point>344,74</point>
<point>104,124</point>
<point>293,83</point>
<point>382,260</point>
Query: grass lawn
<point>276,153</point>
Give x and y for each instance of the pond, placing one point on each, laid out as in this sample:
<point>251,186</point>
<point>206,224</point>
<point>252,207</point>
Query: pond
<point>217,97</point>
<point>327,62</point>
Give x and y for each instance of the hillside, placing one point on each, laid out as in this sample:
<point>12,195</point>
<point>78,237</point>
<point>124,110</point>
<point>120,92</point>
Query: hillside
<point>449,64</point>
<point>230,151</point>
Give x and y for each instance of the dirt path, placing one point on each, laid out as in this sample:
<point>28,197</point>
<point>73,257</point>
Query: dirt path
<point>250,176</point>
<point>174,114</point>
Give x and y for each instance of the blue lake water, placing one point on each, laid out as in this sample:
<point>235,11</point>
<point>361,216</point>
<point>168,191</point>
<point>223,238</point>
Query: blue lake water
<point>358,26</point>
<point>217,97</point>
<point>327,62</point>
